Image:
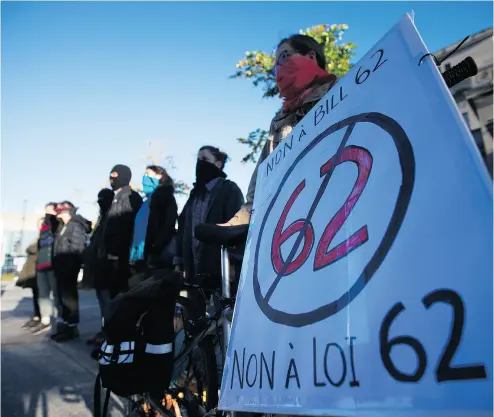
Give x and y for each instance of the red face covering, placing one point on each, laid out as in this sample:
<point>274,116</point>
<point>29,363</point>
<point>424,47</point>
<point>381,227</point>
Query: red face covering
<point>296,78</point>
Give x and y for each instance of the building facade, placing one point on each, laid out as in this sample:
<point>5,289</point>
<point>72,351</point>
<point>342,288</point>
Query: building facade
<point>474,95</point>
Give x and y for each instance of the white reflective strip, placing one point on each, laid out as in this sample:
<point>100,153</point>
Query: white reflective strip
<point>104,360</point>
<point>126,358</point>
<point>106,348</point>
<point>159,349</point>
<point>125,346</point>
<point>123,358</point>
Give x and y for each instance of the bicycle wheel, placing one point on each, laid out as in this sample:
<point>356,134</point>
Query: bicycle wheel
<point>201,378</point>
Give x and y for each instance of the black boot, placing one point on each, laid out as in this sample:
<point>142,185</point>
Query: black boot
<point>67,333</point>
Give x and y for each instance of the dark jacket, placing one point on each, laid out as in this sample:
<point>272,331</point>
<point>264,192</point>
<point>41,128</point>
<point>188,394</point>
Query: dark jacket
<point>27,276</point>
<point>45,242</point>
<point>225,200</point>
<point>90,256</point>
<point>163,214</point>
<point>71,238</point>
<point>118,225</point>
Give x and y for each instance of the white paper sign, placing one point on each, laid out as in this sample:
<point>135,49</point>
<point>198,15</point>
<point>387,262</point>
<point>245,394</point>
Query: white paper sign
<point>367,281</point>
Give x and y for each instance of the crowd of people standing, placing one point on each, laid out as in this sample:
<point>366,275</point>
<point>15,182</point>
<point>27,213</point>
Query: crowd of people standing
<point>137,233</point>
<point>134,234</point>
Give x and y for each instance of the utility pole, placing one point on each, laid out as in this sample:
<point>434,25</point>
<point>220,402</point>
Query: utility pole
<point>18,244</point>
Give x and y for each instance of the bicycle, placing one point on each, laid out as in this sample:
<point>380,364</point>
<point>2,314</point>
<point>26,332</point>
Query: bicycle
<point>199,331</point>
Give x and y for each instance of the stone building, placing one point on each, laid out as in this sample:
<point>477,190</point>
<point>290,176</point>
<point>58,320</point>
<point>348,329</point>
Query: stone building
<point>474,95</point>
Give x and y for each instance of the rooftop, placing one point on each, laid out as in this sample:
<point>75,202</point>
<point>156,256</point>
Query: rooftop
<point>472,40</point>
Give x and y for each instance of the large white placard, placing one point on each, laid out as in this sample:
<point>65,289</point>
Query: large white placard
<point>366,287</point>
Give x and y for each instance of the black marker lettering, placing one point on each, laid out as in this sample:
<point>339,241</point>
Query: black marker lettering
<point>253,356</point>
<point>353,382</point>
<point>326,372</point>
<point>269,375</point>
<point>341,94</point>
<point>319,112</point>
<point>277,157</point>
<point>289,374</point>
<point>288,144</point>
<point>269,166</point>
<point>314,364</point>
<point>240,374</point>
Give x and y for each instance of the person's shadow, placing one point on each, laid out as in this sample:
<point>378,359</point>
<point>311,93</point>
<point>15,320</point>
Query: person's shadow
<point>23,395</point>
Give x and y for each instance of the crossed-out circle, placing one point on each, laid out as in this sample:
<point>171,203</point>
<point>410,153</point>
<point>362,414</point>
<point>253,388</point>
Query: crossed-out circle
<point>407,164</point>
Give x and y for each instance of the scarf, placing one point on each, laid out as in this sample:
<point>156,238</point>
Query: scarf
<point>140,228</point>
<point>296,79</point>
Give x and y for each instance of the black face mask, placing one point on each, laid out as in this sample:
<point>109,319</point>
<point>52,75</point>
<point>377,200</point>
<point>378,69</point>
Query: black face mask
<point>123,179</point>
<point>206,172</point>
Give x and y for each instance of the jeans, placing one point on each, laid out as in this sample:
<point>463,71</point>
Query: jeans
<point>37,312</point>
<point>47,286</point>
<point>103,300</point>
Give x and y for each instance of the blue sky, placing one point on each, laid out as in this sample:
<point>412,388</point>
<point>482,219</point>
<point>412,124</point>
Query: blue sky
<point>89,85</point>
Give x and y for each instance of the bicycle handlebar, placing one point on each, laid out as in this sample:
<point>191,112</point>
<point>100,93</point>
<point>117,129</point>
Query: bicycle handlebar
<point>460,72</point>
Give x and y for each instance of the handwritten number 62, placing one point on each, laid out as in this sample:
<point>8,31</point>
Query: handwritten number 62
<point>360,78</point>
<point>363,159</point>
<point>444,370</point>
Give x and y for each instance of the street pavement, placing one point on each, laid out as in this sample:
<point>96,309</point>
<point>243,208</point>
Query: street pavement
<point>41,378</point>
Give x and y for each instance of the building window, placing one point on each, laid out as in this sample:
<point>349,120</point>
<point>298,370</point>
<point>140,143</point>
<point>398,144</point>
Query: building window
<point>489,126</point>
<point>477,136</point>
<point>465,116</point>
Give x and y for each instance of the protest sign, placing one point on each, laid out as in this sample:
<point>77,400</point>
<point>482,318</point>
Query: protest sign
<point>366,286</point>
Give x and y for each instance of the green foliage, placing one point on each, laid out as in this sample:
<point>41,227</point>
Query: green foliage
<point>255,141</point>
<point>258,67</point>
<point>181,188</point>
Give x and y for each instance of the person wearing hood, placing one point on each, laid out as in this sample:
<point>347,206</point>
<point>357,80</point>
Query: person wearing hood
<point>117,230</point>
<point>154,227</point>
<point>70,243</point>
<point>90,275</point>
<point>302,80</point>
<point>105,197</point>
<point>214,199</point>
<point>27,279</point>
<point>45,276</point>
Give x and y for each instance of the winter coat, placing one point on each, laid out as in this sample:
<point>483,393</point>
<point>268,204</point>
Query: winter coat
<point>224,201</point>
<point>118,225</point>
<point>27,276</point>
<point>71,238</point>
<point>160,230</point>
<point>45,242</point>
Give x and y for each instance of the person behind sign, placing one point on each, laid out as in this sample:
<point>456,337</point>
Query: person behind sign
<point>214,199</point>
<point>45,275</point>
<point>113,247</point>
<point>154,226</point>
<point>105,198</point>
<point>69,245</point>
<point>302,80</point>
<point>27,279</point>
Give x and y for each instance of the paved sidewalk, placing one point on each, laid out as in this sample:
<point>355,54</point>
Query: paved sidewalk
<point>41,378</point>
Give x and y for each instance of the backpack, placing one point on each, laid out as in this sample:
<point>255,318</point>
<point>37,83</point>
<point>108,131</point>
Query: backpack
<point>137,356</point>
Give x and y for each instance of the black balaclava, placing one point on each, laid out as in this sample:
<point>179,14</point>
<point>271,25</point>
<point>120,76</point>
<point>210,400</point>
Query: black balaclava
<point>105,197</point>
<point>123,179</point>
<point>206,172</point>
